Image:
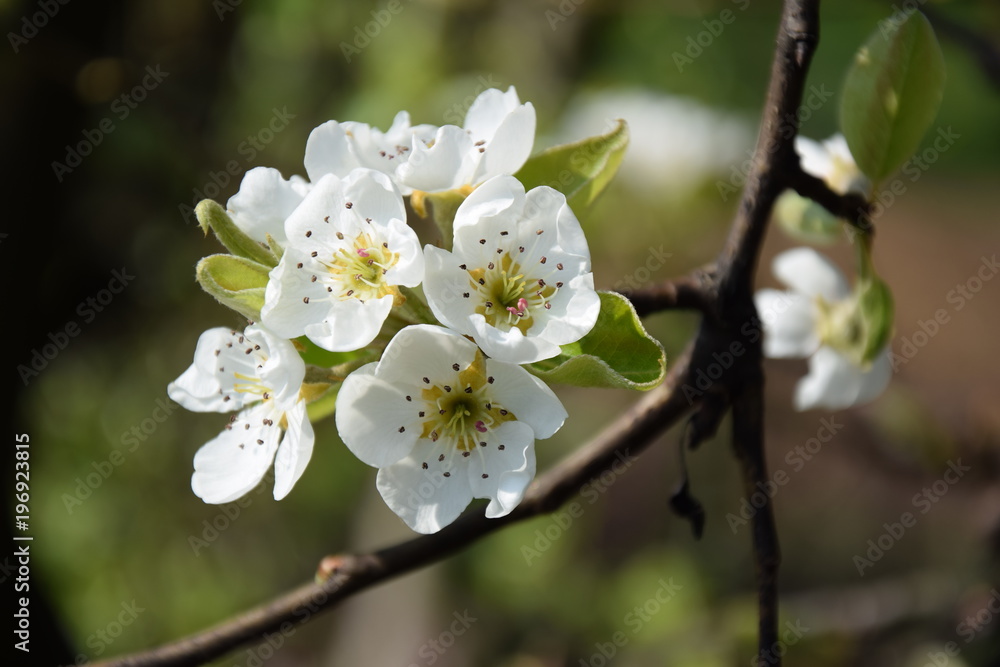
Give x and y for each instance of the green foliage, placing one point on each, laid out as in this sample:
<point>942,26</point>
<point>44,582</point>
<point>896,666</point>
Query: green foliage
<point>212,216</point>
<point>235,282</point>
<point>580,170</point>
<point>892,94</point>
<point>616,353</point>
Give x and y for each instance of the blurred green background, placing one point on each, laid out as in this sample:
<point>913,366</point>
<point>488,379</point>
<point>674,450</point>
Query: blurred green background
<point>135,544</point>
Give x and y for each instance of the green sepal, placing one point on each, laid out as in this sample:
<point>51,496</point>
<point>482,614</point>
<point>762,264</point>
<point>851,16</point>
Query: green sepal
<point>236,282</point>
<point>875,308</point>
<point>616,353</point>
<point>891,94</point>
<point>580,170</point>
<point>211,215</point>
<point>805,220</point>
<point>440,207</point>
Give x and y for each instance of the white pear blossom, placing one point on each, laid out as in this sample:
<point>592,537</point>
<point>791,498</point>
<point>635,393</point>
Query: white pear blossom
<point>265,199</point>
<point>518,279</point>
<point>260,376</point>
<point>348,250</point>
<point>832,161</point>
<point>808,321</point>
<point>444,425</point>
<point>496,138</point>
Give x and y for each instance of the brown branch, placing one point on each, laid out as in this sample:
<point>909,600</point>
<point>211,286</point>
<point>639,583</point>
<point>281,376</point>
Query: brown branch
<point>724,293</point>
<point>691,292</point>
<point>349,574</point>
<point>852,207</point>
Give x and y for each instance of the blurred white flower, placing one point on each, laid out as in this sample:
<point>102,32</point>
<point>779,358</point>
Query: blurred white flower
<point>832,161</point>
<point>678,143</point>
<point>807,321</point>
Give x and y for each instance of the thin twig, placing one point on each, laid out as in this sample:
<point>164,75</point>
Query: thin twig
<point>349,574</point>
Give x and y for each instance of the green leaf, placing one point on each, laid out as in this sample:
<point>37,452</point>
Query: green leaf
<point>235,282</point>
<point>212,216</point>
<point>616,353</point>
<point>580,170</point>
<point>876,307</point>
<point>892,94</point>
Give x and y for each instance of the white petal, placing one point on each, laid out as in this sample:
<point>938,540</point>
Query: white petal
<point>488,111</point>
<point>295,450</point>
<point>320,215</point>
<point>424,350</point>
<point>816,159</point>
<point>283,371</point>
<point>370,413</point>
<point>833,382</point>
<point>374,196</point>
<point>444,285</point>
<point>530,399</point>
<point>328,151</point>
<point>425,499</point>
<point>285,310</point>
<point>263,203</point>
<point>447,164</point>
<point>510,346</point>
<point>509,470</point>
<point>574,312</point>
<point>400,238</point>
<point>810,273</point>
<point>497,201</point>
<point>789,322</point>
<point>509,146</point>
<point>548,210</point>
<point>204,386</point>
<point>232,464</point>
<point>350,324</point>
<point>875,379</point>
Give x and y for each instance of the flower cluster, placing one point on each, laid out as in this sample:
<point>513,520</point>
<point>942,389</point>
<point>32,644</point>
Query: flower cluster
<point>447,413</point>
<point>843,332</point>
